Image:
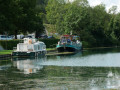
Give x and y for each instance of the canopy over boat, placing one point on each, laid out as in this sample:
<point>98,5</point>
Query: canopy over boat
<point>69,43</point>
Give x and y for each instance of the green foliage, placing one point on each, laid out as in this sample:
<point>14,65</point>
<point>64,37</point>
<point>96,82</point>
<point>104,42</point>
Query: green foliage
<point>9,44</point>
<point>3,52</point>
<point>85,44</point>
<point>50,43</point>
<point>40,8</point>
<point>76,17</point>
<point>94,25</point>
<point>19,16</point>
<point>116,27</point>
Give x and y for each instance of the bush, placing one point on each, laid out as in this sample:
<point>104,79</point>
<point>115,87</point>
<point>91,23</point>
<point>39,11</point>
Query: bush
<point>85,44</point>
<point>9,44</point>
<point>50,43</point>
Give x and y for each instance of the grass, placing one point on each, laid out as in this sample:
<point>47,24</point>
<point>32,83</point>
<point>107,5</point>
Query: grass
<point>48,49</point>
<point>3,52</point>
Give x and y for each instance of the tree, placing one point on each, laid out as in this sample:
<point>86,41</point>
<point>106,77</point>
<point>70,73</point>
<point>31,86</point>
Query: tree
<point>113,10</point>
<point>116,27</point>
<point>8,13</point>
<point>100,26</point>
<point>76,18</point>
<point>19,16</point>
<point>98,22</point>
<point>40,8</point>
<point>55,14</point>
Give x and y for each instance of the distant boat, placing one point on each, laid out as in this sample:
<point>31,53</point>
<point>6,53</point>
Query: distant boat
<point>30,47</point>
<point>69,43</point>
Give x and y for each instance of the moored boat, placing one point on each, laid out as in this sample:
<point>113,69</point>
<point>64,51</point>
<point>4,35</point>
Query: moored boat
<point>30,47</point>
<point>69,43</point>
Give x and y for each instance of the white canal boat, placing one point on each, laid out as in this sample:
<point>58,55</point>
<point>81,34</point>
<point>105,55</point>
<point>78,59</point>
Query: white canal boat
<point>30,47</point>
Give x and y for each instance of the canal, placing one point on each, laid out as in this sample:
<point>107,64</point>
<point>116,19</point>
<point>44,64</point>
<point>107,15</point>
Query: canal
<point>97,69</point>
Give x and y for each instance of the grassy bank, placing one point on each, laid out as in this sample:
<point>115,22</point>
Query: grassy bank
<point>3,52</point>
<point>49,49</point>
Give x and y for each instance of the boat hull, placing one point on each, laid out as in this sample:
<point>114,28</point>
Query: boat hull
<point>28,54</point>
<point>68,48</point>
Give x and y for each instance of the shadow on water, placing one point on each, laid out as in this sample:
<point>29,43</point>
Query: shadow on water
<point>89,70</point>
<point>100,51</point>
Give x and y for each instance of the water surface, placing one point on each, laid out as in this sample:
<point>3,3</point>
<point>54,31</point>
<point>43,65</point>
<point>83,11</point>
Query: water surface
<point>97,69</point>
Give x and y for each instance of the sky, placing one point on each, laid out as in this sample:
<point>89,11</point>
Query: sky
<point>108,3</point>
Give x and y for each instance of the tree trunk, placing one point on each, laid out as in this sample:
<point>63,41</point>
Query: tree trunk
<point>37,33</point>
<point>16,32</point>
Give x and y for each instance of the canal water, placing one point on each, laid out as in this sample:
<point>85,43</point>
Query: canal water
<point>97,69</point>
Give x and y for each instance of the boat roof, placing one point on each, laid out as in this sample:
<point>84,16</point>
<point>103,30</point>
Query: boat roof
<point>67,35</point>
<point>70,36</point>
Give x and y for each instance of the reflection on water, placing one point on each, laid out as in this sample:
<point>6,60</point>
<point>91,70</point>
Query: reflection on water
<point>97,60</point>
<point>4,67</point>
<point>30,65</point>
<point>90,70</point>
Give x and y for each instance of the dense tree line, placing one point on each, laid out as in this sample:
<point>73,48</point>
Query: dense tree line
<point>19,16</point>
<point>95,25</point>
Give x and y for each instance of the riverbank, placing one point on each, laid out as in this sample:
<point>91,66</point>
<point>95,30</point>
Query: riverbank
<point>4,54</point>
<point>7,53</point>
<point>50,51</point>
<point>101,47</point>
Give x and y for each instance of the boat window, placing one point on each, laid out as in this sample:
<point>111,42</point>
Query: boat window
<point>35,47</point>
<point>3,36</point>
<point>63,39</point>
<point>44,47</point>
<point>38,47</point>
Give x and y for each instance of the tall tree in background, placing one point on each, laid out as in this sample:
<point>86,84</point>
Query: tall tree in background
<point>40,8</point>
<point>116,27</point>
<point>9,14</point>
<point>67,16</point>
<point>95,26</point>
<point>76,18</point>
<point>98,22</point>
<point>30,22</point>
<point>19,16</point>
<point>55,14</point>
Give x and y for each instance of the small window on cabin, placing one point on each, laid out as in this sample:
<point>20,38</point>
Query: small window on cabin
<point>38,47</point>
<point>3,36</point>
<point>43,47</point>
<point>35,47</point>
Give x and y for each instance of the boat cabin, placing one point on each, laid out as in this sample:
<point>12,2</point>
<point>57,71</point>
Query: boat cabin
<point>30,44</point>
<point>69,38</point>
<point>69,43</point>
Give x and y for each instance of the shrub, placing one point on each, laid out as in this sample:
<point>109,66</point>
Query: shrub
<point>9,44</point>
<point>50,43</point>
